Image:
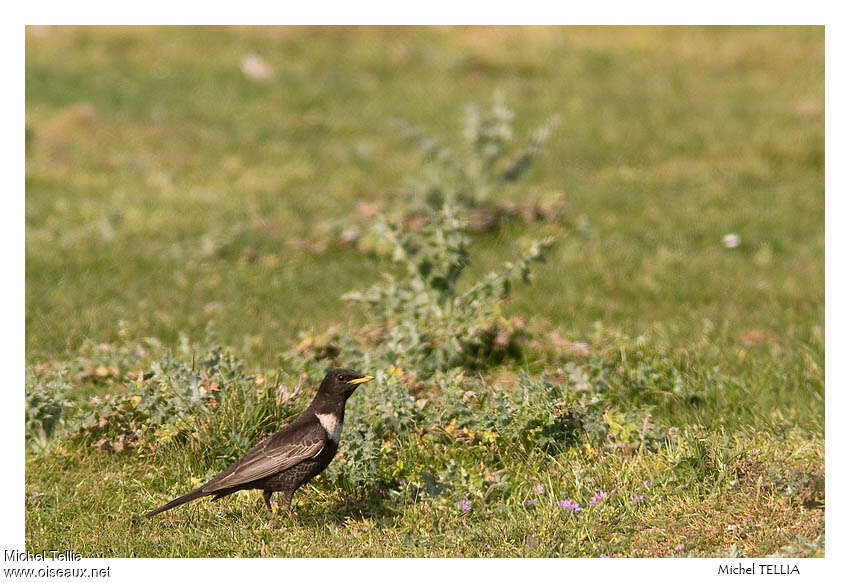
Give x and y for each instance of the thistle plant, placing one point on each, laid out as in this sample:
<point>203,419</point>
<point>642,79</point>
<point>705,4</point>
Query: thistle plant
<point>488,162</point>
<point>430,320</point>
<point>432,324</point>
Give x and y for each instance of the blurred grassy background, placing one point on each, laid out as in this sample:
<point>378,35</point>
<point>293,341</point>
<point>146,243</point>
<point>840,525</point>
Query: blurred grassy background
<point>155,163</point>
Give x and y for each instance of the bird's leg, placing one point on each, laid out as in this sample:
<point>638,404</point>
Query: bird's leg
<point>286,503</point>
<point>267,497</point>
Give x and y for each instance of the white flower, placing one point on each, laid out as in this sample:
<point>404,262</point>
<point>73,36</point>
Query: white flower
<point>731,240</point>
<point>256,68</point>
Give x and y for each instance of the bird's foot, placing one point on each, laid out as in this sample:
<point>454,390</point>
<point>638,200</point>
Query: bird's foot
<point>279,517</point>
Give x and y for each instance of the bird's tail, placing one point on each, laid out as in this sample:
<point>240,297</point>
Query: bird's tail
<point>194,494</point>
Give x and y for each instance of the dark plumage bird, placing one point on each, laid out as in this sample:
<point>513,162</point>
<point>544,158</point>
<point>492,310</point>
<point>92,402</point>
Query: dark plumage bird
<point>291,457</point>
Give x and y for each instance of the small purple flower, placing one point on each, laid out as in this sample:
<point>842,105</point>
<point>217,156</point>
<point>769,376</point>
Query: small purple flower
<point>530,501</point>
<point>466,505</point>
<point>274,504</point>
<point>604,556</point>
<point>598,497</point>
<point>568,504</point>
<point>648,483</point>
<point>637,499</point>
<point>538,489</point>
<point>402,482</point>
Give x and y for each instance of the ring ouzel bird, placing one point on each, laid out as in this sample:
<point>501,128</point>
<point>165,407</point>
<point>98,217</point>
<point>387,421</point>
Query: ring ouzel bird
<point>291,457</point>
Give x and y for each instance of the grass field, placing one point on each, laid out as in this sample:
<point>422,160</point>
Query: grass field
<point>167,189</point>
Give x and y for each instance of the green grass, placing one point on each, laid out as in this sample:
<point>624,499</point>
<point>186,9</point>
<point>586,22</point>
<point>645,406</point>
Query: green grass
<point>153,163</point>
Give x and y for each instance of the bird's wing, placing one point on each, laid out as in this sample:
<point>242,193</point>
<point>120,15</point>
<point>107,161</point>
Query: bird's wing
<point>280,451</point>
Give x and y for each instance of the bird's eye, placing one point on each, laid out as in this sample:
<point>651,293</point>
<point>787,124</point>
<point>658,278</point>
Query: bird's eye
<point>340,378</point>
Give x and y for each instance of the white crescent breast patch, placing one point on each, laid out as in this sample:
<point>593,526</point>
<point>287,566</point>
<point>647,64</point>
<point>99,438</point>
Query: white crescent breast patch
<point>331,424</point>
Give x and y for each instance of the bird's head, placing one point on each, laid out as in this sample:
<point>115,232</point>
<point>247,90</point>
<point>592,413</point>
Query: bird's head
<point>341,382</point>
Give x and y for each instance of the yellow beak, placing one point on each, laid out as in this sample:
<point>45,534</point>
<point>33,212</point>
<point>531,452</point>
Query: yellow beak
<point>365,379</point>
